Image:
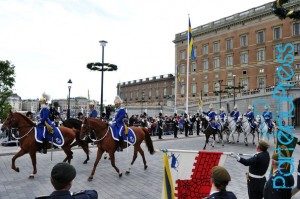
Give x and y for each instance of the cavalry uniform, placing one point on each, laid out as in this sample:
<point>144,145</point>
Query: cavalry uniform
<point>212,117</point>
<point>258,166</point>
<point>235,114</point>
<point>250,116</point>
<point>268,116</point>
<point>92,194</point>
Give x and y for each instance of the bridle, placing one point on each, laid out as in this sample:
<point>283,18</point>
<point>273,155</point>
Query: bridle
<point>90,132</point>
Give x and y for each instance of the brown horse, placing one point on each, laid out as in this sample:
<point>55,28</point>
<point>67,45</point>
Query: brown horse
<point>27,140</point>
<point>106,142</point>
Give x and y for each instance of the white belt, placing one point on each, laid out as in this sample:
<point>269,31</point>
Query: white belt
<point>255,176</point>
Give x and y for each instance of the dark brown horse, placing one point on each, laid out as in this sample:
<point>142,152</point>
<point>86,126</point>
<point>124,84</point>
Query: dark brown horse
<point>27,140</point>
<point>106,142</point>
<point>207,130</point>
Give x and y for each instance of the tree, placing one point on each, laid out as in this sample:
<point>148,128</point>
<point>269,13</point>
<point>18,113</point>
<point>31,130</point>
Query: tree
<point>7,81</point>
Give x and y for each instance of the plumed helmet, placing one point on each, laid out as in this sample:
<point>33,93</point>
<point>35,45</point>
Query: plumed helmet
<point>118,100</point>
<point>222,109</point>
<point>266,107</point>
<point>235,107</point>
<point>250,107</point>
<point>211,106</point>
<point>44,98</point>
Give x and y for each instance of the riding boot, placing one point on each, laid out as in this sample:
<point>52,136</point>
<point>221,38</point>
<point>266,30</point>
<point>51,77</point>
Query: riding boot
<point>119,143</point>
<point>44,146</point>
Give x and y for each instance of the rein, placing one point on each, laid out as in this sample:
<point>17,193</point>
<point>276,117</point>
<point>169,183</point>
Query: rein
<point>23,135</point>
<point>97,140</point>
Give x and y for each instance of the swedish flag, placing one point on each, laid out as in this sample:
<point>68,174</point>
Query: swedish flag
<point>191,42</point>
<point>178,76</point>
<point>168,188</point>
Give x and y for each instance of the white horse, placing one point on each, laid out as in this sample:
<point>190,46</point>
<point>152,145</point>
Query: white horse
<point>246,129</point>
<point>232,129</point>
<point>264,129</point>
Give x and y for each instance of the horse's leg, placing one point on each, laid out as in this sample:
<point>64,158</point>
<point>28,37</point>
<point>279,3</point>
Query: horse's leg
<point>13,163</point>
<point>33,160</point>
<point>206,141</point>
<point>245,138</point>
<point>68,152</point>
<point>214,138</point>
<point>85,148</point>
<point>253,137</point>
<point>98,157</point>
<point>112,161</point>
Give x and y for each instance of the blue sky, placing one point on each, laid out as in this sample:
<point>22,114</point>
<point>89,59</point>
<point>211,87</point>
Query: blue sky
<point>51,41</point>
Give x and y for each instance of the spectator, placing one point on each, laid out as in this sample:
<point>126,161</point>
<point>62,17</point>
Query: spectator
<point>62,176</point>
<point>220,179</point>
<point>93,113</point>
<point>29,115</point>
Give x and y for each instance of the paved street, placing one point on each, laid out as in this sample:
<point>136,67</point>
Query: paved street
<point>139,184</point>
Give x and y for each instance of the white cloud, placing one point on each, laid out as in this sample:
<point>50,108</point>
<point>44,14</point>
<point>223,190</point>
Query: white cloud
<point>51,42</point>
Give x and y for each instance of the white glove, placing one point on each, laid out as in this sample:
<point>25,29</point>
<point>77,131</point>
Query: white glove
<point>110,123</point>
<point>236,156</point>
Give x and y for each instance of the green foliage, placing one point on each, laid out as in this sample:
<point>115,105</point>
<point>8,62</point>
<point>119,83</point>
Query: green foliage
<point>7,81</point>
<point>282,12</point>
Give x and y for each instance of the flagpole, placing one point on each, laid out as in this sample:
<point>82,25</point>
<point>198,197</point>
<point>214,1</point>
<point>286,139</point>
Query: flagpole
<point>176,79</point>
<point>187,69</point>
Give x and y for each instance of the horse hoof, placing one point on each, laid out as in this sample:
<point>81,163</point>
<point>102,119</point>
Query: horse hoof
<point>105,158</point>
<point>253,143</point>
<point>145,167</point>
<point>127,172</point>
<point>120,175</point>
<point>90,178</point>
<point>237,141</point>
<point>246,144</point>
<point>31,176</point>
<point>17,169</point>
<point>85,162</point>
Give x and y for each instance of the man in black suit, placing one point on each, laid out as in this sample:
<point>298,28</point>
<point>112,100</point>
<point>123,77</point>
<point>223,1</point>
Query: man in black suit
<point>258,166</point>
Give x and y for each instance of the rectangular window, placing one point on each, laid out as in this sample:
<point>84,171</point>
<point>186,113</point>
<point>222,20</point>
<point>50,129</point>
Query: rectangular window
<point>229,74</point>
<point>216,75</point>
<point>216,63</point>
<point>244,58</point>
<point>297,66</point>
<point>182,69</point>
<point>193,67</point>
<point>297,77</point>
<point>193,88</point>
<point>205,88</point>
<point>276,52</point>
<point>156,92</point>
<point>229,44</point>
<point>244,41</point>
<point>150,92</point>
<point>296,29</point>
<point>182,55</point>
<point>277,33</point>
<point>261,70</point>
<point>205,64</point>
<point>165,91</point>
<point>244,72</point>
<point>216,47</point>
<point>297,49</point>
<point>245,84</point>
<point>261,82</point>
<point>260,37</point>
<point>205,49</point>
<point>229,60</point>
<point>261,55</point>
<point>182,90</point>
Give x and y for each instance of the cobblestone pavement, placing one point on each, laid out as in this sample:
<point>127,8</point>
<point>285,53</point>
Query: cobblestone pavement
<point>139,184</point>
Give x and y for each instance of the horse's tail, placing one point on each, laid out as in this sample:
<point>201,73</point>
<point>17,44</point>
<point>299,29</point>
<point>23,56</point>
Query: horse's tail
<point>148,141</point>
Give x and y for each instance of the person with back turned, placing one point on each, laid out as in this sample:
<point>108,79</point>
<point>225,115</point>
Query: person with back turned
<point>62,176</point>
<point>258,166</point>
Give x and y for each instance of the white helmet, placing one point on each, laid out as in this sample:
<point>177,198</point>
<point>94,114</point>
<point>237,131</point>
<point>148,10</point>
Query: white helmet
<point>235,107</point>
<point>118,100</point>
<point>44,98</point>
<point>266,107</point>
<point>211,106</point>
<point>250,107</point>
<point>222,109</point>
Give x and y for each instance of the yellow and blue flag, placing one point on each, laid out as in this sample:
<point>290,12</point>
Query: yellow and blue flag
<point>178,76</point>
<point>191,42</point>
<point>168,188</point>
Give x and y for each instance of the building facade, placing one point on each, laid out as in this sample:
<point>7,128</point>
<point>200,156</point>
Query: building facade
<point>237,51</point>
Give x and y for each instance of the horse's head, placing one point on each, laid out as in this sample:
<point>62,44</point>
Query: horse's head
<point>258,119</point>
<point>92,128</point>
<point>85,129</point>
<point>10,122</point>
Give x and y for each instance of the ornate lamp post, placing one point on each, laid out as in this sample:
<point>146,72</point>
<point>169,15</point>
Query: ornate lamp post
<point>218,90</point>
<point>103,44</point>
<point>69,87</point>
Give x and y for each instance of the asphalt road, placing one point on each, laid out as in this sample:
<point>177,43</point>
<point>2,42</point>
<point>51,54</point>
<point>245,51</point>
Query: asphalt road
<point>139,184</point>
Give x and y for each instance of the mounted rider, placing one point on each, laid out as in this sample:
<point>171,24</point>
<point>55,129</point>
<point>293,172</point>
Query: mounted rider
<point>44,120</point>
<point>235,114</point>
<point>268,116</point>
<point>212,117</point>
<point>222,114</point>
<point>118,122</point>
<point>250,117</point>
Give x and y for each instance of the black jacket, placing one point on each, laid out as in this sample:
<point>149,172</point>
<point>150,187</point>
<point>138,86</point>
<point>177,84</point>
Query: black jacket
<point>86,194</point>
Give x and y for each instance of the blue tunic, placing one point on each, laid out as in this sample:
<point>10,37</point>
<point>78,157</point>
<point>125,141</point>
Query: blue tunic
<point>250,116</point>
<point>118,120</point>
<point>93,113</point>
<point>222,116</point>
<point>235,115</point>
<point>212,117</point>
<point>268,116</point>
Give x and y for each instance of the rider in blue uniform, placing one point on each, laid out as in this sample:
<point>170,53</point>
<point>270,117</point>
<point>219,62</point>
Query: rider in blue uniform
<point>250,117</point>
<point>222,114</point>
<point>235,114</point>
<point>118,120</point>
<point>44,121</point>
<point>212,117</point>
<point>93,113</point>
<point>268,116</point>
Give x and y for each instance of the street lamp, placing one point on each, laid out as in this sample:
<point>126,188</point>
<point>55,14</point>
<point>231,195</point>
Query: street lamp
<point>218,90</point>
<point>103,44</point>
<point>69,87</point>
